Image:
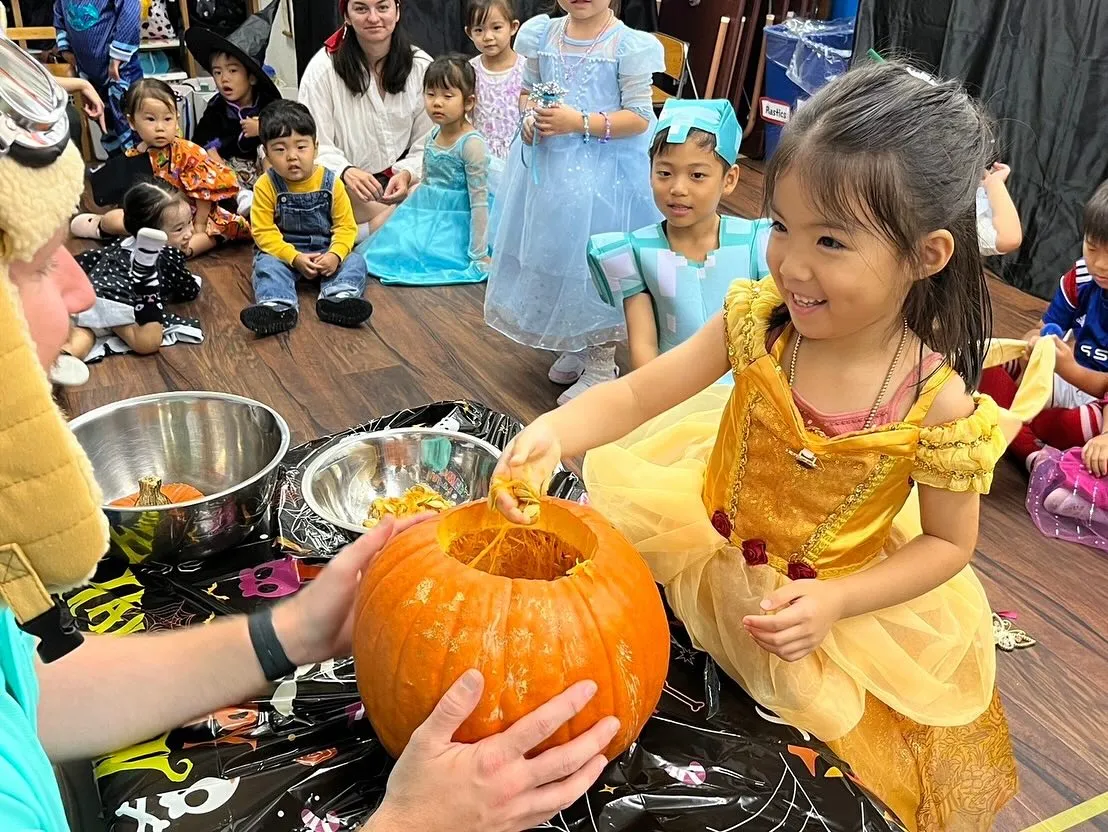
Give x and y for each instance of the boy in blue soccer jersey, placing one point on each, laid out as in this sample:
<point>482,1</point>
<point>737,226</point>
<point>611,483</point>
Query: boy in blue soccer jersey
<point>672,277</point>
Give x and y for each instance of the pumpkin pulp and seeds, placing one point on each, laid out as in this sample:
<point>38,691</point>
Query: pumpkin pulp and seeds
<point>512,551</point>
<point>416,500</point>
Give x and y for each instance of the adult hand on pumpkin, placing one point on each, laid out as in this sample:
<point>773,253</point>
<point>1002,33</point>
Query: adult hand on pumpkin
<point>490,785</point>
<point>532,458</point>
<point>315,625</point>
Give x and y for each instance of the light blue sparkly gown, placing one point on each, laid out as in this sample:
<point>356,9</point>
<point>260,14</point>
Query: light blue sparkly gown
<point>540,292</point>
<point>439,234</point>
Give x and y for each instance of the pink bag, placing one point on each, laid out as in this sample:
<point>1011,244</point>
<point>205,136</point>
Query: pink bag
<point>1067,502</point>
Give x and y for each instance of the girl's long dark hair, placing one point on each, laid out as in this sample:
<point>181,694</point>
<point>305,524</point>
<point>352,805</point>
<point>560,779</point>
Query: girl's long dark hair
<point>353,67</point>
<point>895,153</point>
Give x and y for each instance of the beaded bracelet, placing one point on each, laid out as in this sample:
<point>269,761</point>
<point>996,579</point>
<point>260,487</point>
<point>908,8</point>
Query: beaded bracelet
<point>588,133</point>
<point>607,128</point>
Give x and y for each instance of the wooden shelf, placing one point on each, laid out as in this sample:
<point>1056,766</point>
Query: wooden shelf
<point>160,44</point>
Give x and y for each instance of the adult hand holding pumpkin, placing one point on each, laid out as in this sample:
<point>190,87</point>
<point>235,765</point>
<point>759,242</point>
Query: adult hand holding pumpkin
<point>316,624</point>
<point>490,785</point>
<point>530,458</point>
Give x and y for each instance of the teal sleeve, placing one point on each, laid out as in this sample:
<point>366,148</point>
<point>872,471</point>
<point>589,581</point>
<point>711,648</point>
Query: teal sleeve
<point>614,268</point>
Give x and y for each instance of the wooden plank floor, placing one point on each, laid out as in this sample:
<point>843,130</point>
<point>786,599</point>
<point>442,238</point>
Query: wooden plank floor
<point>430,344</point>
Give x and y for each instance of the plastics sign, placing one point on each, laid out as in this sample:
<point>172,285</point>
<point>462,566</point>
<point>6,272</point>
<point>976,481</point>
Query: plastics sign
<point>775,112</point>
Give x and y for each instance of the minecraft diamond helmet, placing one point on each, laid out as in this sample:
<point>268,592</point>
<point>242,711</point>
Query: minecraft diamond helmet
<point>715,116</point>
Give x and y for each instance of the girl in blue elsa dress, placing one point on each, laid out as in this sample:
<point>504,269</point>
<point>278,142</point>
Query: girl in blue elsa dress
<point>439,234</point>
<point>579,167</point>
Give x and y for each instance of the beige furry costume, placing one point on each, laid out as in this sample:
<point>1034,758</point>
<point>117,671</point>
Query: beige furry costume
<point>52,531</point>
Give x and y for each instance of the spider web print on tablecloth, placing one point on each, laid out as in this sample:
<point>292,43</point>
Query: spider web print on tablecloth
<point>304,758</point>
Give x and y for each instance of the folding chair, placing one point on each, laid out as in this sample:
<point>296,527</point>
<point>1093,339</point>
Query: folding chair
<point>676,54</point>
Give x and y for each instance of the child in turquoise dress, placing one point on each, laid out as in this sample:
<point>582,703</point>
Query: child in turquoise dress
<point>671,277</point>
<point>579,167</point>
<point>439,234</point>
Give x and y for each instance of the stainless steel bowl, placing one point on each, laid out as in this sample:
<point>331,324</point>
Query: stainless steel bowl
<point>226,446</point>
<point>345,478</point>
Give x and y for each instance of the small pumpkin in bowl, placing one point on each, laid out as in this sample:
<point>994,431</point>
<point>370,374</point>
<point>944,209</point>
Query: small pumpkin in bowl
<point>152,493</point>
<point>534,608</point>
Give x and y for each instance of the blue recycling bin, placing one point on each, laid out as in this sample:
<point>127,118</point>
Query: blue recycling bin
<point>801,57</point>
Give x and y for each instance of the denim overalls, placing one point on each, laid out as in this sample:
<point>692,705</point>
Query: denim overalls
<point>304,220</point>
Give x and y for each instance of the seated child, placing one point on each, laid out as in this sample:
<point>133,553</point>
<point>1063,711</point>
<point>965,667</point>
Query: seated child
<point>152,110</point>
<point>228,130</point>
<point>303,228</point>
<point>440,233</point>
<point>672,277</point>
<point>1078,324</point>
<point>136,277</point>
<point>998,222</point>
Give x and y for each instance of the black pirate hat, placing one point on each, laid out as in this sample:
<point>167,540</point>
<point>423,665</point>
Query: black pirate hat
<point>247,43</point>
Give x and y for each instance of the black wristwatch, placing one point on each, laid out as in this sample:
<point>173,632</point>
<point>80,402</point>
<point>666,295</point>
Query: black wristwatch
<point>267,647</point>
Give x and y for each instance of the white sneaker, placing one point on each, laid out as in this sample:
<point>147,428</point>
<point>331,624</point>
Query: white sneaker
<point>245,201</point>
<point>69,371</point>
<point>590,378</point>
<point>568,368</point>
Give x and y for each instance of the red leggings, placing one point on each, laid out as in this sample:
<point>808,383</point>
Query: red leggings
<point>1059,427</point>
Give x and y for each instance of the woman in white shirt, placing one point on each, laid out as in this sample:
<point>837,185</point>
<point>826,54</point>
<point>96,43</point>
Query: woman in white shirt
<point>365,89</point>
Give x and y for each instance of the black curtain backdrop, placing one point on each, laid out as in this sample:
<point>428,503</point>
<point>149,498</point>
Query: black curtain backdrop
<point>436,26</point>
<point>1042,70</point>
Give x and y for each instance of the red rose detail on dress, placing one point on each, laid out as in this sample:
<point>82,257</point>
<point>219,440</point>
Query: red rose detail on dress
<point>755,552</point>
<point>722,523</point>
<point>800,571</point>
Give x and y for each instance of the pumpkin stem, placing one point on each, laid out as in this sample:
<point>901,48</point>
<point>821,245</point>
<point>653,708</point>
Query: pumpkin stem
<point>150,493</point>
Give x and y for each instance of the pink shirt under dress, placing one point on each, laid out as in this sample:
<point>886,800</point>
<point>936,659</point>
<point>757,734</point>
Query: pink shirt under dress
<point>892,412</point>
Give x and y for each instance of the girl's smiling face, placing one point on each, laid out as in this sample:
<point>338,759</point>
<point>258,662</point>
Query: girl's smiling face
<point>836,281</point>
<point>177,224</point>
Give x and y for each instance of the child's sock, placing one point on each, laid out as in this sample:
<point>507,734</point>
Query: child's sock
<point>145,279</point>
<point>1065,503</point>
<point>600,366</point>
<point>363,233</point>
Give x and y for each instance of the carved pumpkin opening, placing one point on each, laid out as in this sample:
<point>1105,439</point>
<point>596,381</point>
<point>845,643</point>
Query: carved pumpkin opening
<point>555,546</point>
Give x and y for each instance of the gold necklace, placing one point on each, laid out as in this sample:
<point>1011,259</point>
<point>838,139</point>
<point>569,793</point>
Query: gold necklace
<point>888,376</point>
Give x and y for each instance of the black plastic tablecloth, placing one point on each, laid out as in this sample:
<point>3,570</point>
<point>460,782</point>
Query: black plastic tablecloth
<point>305,757</point>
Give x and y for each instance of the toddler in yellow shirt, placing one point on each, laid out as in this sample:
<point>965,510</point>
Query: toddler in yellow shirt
<point>304,228</point>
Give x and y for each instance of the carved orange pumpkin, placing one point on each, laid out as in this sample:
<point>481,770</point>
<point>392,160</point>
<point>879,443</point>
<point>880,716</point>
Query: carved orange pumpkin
<point>540,608</point>
<point>152,493</point>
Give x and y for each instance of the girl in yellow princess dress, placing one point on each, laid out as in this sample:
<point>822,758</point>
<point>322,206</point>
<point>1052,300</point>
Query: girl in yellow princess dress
<point>767,511</point>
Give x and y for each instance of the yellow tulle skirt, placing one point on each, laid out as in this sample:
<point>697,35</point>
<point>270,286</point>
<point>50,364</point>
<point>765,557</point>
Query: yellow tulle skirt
<point>905,695</point>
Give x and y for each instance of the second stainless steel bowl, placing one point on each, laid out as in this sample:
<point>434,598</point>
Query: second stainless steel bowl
<point>346,477</point>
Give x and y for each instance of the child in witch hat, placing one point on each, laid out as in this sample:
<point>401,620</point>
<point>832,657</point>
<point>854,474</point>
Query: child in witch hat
<point>228,130</point>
